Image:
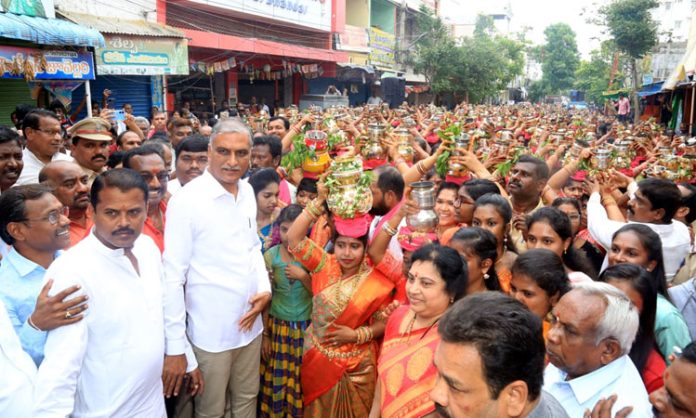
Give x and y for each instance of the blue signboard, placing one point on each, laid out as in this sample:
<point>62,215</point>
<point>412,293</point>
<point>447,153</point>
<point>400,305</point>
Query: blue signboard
<point>38,64</point>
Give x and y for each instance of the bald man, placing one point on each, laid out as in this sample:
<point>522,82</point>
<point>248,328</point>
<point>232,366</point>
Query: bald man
<point>71,186</point>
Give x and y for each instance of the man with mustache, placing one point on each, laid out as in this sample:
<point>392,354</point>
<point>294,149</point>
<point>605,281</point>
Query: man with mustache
<point>266,153</point>
<point>593,328</point>
<point>654,203</point>
<point>527,182</point>
<point>213,256</point>
<point>11,163</point>
<point>71,186</point>
<point>111,363</point>
<point>44,138</point>
<point>387,190</point>
<point>33,222</point>
<point>490,361</point>
<point>148,161</point>
<point>191,160</point>
<point>91,139</point>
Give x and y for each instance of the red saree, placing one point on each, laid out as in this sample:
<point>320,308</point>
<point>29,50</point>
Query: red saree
<point>406,370</point>
<point>339,382</point>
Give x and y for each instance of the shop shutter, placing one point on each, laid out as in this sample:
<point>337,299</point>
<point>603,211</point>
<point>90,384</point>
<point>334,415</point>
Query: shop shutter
<point>14,92</point>
<point>125,89</point>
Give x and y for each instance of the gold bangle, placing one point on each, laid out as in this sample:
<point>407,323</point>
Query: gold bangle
<point>358,336</point>
<point>370,335</point>
<point>311,216</point>
<point>389,230</point>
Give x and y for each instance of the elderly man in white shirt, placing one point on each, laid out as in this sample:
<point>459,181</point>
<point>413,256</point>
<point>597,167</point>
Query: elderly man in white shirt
<point>44,141</point>
<point>654,204</point>
<point>110,363</point>
<point>215,273</point>
<point>593,328</point>
<point>17,370</point>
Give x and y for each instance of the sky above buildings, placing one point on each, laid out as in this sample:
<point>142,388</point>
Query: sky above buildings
<point>537,15</point>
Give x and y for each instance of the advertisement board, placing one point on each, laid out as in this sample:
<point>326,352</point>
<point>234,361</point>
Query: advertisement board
<point>382,46</point>
<point>39,64</point>
<point>355,39</point>
<point>315,14</point>
<point>132,55</point>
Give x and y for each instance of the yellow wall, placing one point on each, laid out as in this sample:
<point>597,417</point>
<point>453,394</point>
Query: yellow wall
<point>358,13</point>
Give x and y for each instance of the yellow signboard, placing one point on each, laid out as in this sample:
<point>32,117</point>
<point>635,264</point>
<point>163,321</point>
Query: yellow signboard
<point>382,45</point>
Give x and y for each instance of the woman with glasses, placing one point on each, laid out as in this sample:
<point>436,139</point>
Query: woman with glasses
<point>581,236</point>
<point>466,197</point>
<point>550,228</point>
<point>493,212</point>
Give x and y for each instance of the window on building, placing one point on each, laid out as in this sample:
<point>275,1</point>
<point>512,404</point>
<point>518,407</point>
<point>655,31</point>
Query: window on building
<point>677,24</point>
<point>668,5</point>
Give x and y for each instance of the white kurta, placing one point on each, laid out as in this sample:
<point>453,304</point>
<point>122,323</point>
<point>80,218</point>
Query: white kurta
<point>213,264</point>
<point>17,372</point>
<point>110,363</point>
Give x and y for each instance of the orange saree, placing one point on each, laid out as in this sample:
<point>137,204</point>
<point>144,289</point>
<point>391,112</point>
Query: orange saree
<point>406,370</point>
<point>339,382</point>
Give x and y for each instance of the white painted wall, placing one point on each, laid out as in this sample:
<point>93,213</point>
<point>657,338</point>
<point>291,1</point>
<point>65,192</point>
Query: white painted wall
<point>674,16</point>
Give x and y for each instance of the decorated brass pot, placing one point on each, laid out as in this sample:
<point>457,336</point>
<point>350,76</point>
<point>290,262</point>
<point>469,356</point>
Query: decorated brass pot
<point>348,196</point>
<point>601,159</point>
<point>318,160</point>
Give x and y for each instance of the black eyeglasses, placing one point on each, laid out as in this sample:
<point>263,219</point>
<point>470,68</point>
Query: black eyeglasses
<point>53,216</point>
<point>162,177</point>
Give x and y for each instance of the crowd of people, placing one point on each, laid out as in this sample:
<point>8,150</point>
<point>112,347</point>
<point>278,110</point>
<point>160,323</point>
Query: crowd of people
<point>483,261</point>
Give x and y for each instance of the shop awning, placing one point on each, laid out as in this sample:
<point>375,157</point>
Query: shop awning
<point>123,26</point>
<point>650,89</point>
<point>48,31</point>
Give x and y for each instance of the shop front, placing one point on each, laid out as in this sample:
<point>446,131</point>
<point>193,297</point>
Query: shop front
<point>41,57</point>
<point>132,64</point>
<point>252,52</point>
<point>35,76</point>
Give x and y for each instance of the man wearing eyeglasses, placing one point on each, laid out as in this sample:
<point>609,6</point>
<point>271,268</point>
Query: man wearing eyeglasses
<point>44,138</point>
<point>148,161</point>
<point>35,224</point>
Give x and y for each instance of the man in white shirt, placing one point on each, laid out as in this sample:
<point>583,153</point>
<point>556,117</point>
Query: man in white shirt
<point>654,204</point>
<point>191,158</point>
<point>110,363</point>
<point>593,328</point>
<point>213,255</point>
<point>17,371</point>
<point>44,141</point>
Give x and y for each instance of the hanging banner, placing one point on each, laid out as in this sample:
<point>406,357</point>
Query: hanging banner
<point>354,39</point>
<point>133,55</point>
<point>39,64</point>
<point>382,46</point>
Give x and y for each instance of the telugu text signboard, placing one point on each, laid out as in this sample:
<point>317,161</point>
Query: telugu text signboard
<point>315,14</point>
<point>39,64</point>
<point>132,55</point>
<point>382,46</point>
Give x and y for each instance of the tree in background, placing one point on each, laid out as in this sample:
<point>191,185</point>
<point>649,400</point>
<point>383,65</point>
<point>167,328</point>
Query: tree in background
<point>559,59</point>
<point>634,32</point>
<point>592,77</point>
<point>477,69</point>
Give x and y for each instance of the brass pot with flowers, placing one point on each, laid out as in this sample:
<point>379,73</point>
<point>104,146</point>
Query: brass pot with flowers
<point>349,187</point>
